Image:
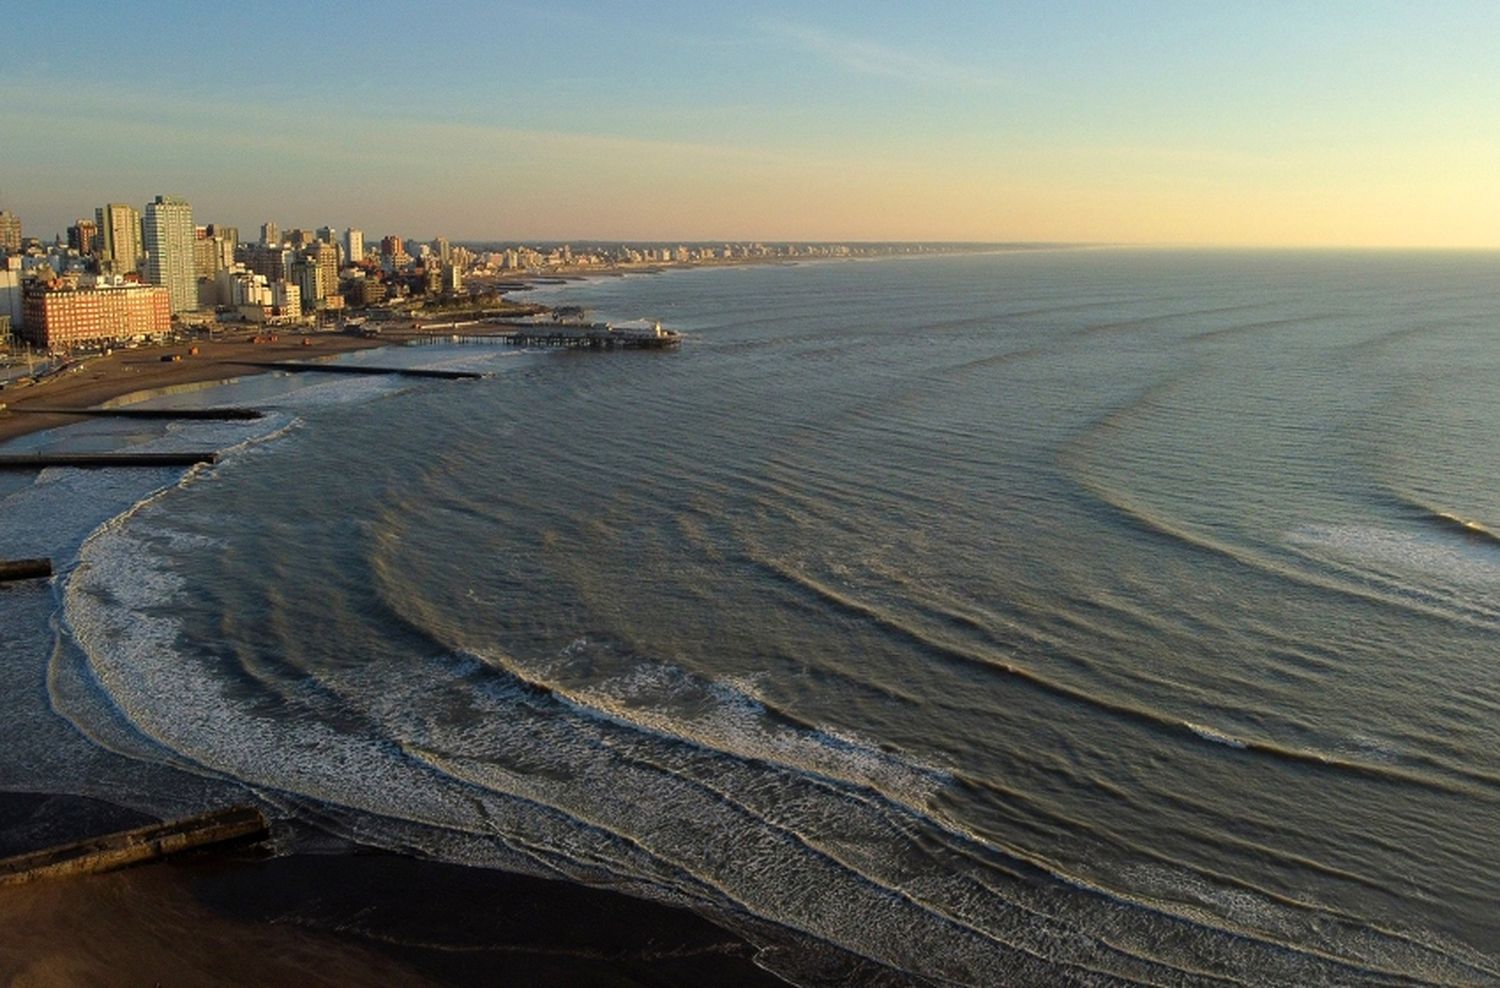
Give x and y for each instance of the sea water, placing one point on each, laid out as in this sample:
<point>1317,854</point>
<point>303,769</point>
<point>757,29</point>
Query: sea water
<point>1041,617</point>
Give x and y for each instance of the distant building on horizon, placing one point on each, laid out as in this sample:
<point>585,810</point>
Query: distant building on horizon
<point>11,300</point>
<point>226,240</point>
<point>168,227</point>
<point>83,236</point>
<point>316,272</point>
<point>273,262</point>
<point>393,256</point>
<point>270,234</point>
<point>120,238</point>
<point>354,246</point>
<point>10,232</point>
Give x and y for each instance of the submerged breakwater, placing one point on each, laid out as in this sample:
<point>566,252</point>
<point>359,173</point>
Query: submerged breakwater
<point>1094,617</point>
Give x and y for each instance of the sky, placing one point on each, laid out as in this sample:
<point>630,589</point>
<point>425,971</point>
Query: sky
<point>1331,123</point>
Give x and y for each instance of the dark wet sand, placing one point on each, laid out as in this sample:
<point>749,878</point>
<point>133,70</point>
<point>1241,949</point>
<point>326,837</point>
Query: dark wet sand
<point>242,918</point>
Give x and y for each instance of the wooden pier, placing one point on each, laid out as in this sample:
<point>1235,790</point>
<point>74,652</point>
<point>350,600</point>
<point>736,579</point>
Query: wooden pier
<point>240,824</point>
<point>38,461</point>
<point>24,569</point>
<point>594,337</point>
<point>590,339</point>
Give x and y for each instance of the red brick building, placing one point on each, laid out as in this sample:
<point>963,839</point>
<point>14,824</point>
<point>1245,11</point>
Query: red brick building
<point>60,315</point>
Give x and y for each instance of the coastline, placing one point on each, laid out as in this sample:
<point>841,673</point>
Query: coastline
<point>118,378</point>
<point>267,915</point>
<point>100,381</point>
<point>358,916</point>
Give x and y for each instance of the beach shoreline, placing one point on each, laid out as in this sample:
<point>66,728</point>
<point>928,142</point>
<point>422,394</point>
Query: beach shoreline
<point>357,916</point>
<point>148,371</point>
<point>267,915</point>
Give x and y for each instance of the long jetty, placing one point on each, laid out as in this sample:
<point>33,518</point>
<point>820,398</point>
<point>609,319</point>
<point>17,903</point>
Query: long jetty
<point>298,365</point>
<point>594,337</point>
<point>24,569</point>
<point>240,824</point>
<point>216,414</point>
<point>37,461</point>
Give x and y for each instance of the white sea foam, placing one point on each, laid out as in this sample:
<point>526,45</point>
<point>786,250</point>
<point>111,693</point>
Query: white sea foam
<point>730,715</point>
<point>1421,552</point>
<point>1217,737</point>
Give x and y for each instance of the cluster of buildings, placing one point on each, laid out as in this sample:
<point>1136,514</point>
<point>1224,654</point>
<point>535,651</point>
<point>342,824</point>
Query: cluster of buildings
<point>129,274</point>
<point>522,259</point>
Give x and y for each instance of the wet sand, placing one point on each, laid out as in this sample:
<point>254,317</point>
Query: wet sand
<point>245,918</point>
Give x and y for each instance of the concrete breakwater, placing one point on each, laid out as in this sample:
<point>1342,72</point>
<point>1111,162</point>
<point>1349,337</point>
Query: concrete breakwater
<point>205,414</point>
<point>291,365</point>
<point>238,824</point>
<point>37,461</point>
<point>24,569</point>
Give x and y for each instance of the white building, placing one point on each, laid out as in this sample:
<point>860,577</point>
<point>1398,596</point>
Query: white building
<point>354,246</point>
<point>10,292</point>
<point>287,298</point>
<point>169,231</point>
<point>237,287</point>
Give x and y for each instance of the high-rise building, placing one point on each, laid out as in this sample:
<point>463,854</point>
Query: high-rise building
<point>119,238</point>
<point>327,257</point>
<point>169,250</point>
<point>328,235</point>
<point>286,296</point>
<point>230,234</point>
<point>453,279</point>
<point>442,249</point>
<point>270,234</point>
<point>316,272</point>
<point>226,239</point>
<point>83,236</point>
<point>272,263</point>
<point>10,232</point>
<point>354,246</point>
<point>11,302</point>
<point>206,254</point>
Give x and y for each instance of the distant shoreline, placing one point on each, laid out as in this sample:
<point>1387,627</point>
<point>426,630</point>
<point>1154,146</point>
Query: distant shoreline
<point>98,381</point>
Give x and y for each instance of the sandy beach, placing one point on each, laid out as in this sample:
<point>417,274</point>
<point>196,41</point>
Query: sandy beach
<point>124,373</point>
<point>247,918</point>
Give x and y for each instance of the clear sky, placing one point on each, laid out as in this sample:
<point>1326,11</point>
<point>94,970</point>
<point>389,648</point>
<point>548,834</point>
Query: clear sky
<point>1265,122</point>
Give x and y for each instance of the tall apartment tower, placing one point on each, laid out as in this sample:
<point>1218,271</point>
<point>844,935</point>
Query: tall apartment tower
<point>270,234</point>
<point>10,232</point>
<point>119,237</point>
<point>354,246</point>
<point>169,250</point>
<point>83,236</point>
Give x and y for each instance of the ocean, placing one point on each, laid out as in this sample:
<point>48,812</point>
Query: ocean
<point>1096,617</point>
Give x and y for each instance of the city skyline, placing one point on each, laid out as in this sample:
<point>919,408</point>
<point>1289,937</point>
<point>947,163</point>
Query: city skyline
<point>1340,125</point>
